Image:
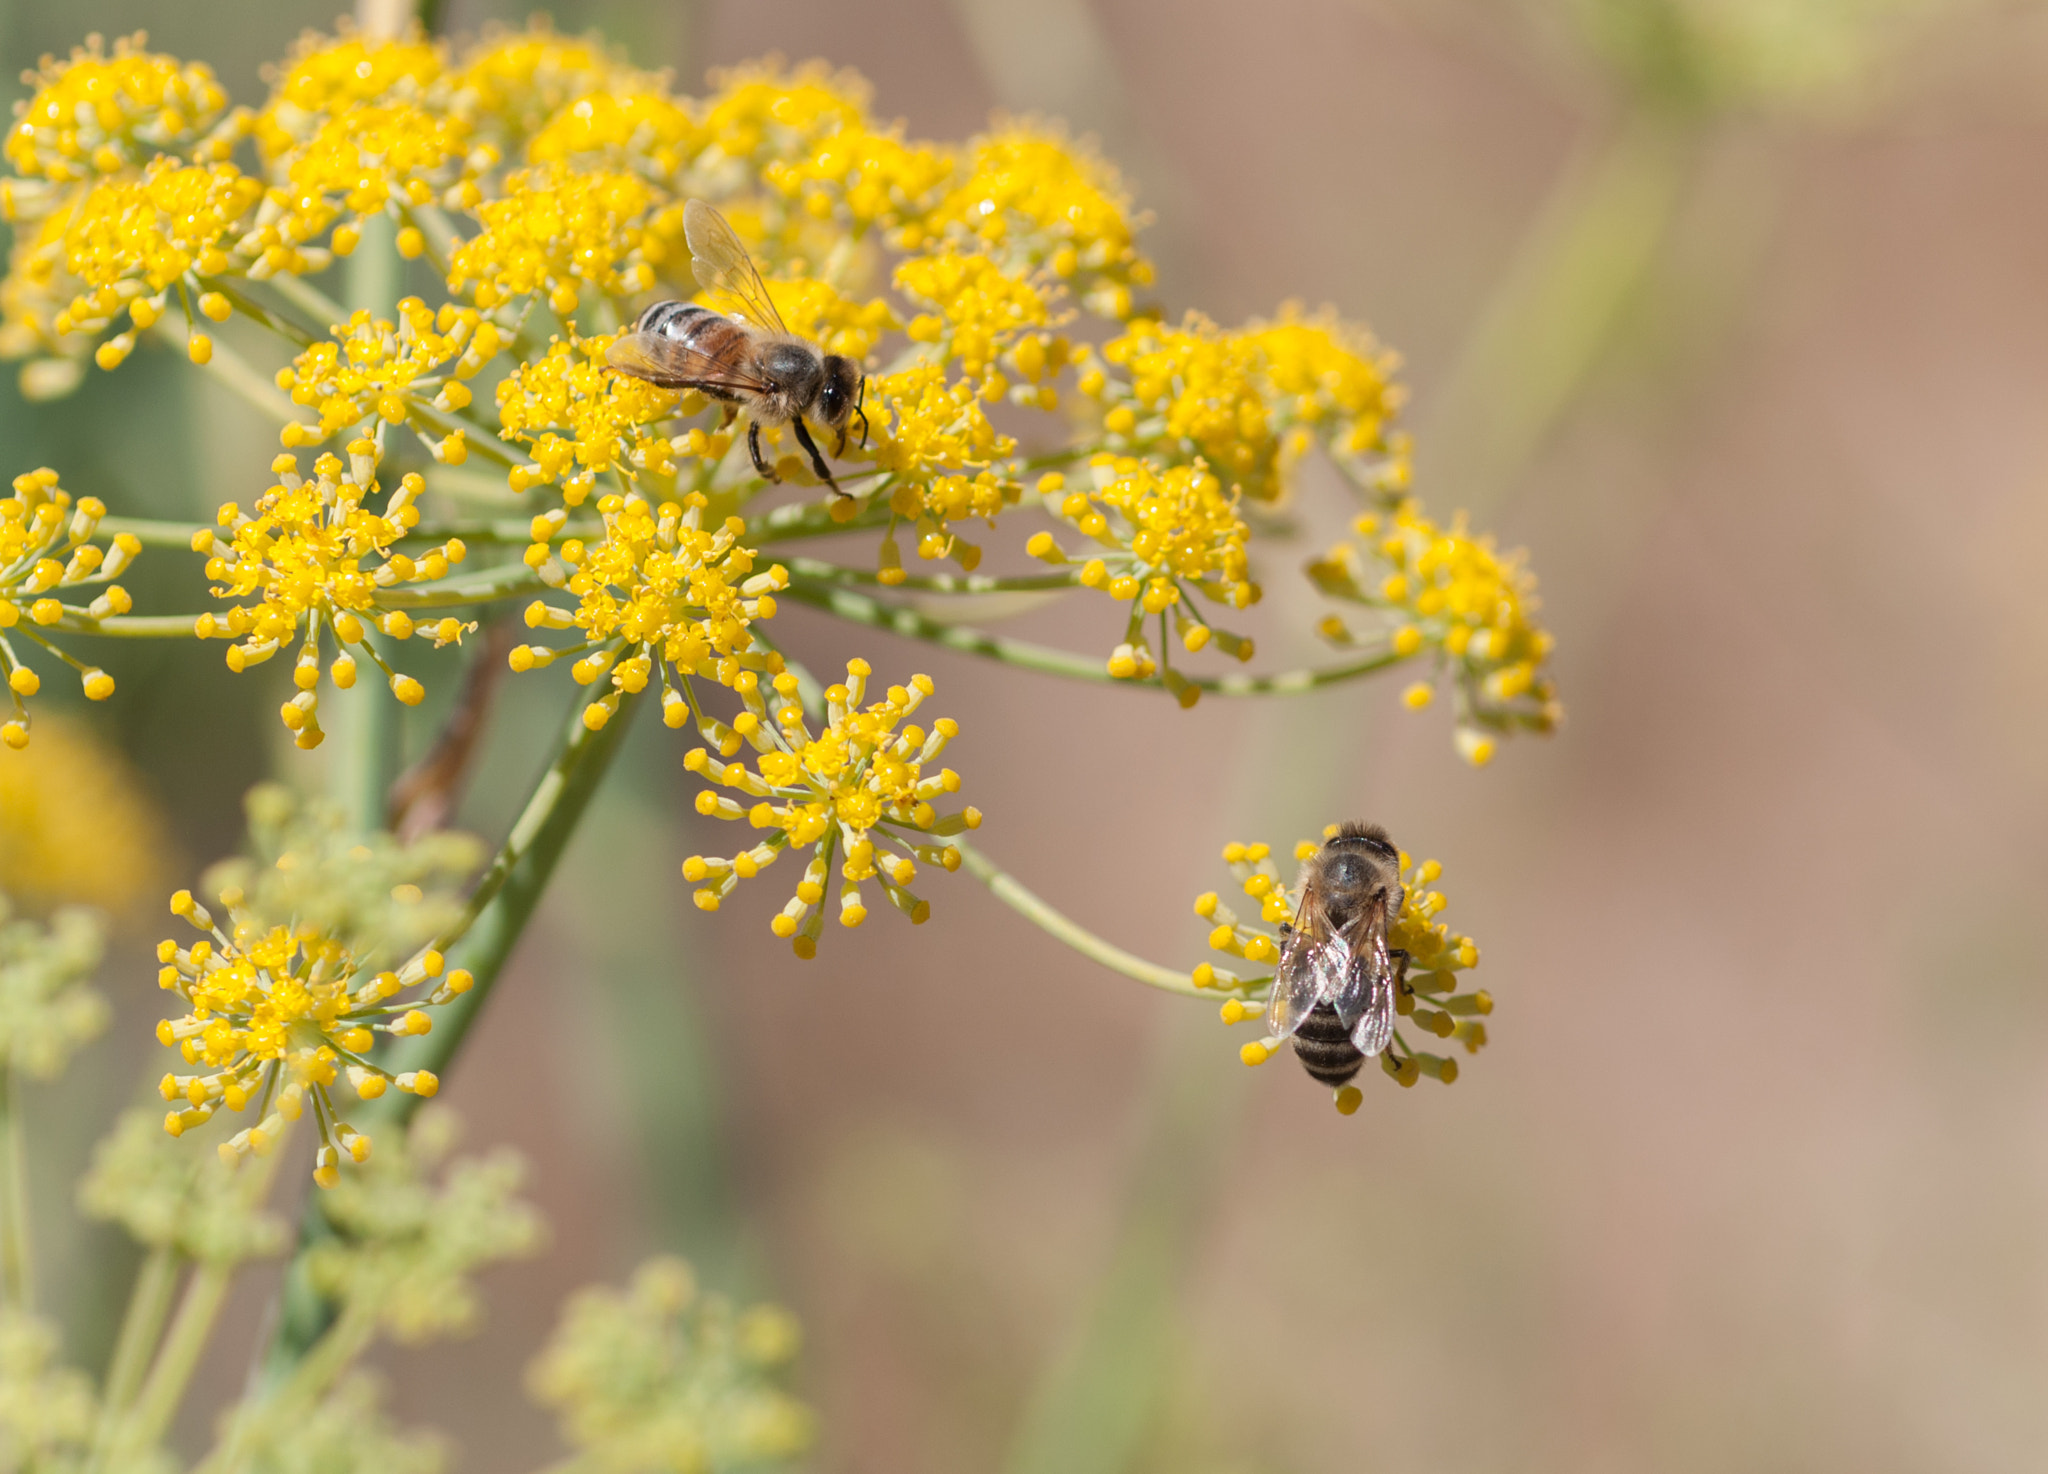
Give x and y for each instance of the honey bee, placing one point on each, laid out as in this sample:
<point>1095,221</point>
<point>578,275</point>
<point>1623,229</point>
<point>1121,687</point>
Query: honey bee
<point>750,361</point>
<point>1334,990</point>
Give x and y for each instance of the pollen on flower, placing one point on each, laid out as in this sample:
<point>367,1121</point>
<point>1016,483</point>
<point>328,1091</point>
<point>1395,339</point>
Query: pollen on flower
<point>47,548</point>
<point>313,561</point>
<point>1429,997</point>
<point>860,794</point>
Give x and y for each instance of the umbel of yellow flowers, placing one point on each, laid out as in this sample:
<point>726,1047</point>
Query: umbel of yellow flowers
<point>1037,425</point>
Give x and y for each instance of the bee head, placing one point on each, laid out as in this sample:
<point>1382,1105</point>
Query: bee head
<point>842,390</point>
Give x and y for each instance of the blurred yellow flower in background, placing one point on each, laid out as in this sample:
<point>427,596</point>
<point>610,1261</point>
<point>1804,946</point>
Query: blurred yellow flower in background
<point>77,826</point>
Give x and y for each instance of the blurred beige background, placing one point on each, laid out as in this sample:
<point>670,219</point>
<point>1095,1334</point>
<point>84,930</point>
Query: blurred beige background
<point>1755,1173</point>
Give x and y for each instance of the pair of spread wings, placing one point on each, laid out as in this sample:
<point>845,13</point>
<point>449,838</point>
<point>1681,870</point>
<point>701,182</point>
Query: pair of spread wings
<point>1349,969</point>
<point>723,269</point>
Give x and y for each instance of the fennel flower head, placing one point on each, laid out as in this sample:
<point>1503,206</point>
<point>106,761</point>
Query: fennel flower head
<point>287,994</point>
<point>1028,420</point>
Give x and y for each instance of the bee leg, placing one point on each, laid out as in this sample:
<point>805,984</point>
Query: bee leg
<point>754,447</point>
<point>803,438</point>
<point>727,413</point>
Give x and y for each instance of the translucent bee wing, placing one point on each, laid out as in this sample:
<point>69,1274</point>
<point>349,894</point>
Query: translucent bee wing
<point>721,264</point>
<point>1365,1003</point>
<point>1369,964</point>
<point>1309,973</point>
<point>673,365</point>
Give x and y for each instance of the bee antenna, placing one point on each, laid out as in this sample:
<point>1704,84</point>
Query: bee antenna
<point>860,399</point>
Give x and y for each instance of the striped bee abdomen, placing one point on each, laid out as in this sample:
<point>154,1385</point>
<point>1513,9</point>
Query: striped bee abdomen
<point>1324,1046</point>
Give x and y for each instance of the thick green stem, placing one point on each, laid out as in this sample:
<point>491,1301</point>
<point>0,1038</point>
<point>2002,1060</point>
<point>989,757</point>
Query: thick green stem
<point>812,519</point>
<point>811,570</point>
<point>1011,892</point>
<point>16,1263</point>
<point>481,940</point>
<point>149,1303</point>
<point>861,609</point>
<point>506,581</point>
<point>152,533</point>
<point>256,312</point>
<point>310,300</point>
<point>236,372</point>
<point>345,1340</point>
<point>157,1404</point>
<point>366,752</point>
<point>135,626</point>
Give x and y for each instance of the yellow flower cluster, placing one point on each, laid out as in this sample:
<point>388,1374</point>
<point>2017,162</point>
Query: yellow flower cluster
<point>659,1376</point>
<point>759,116</point>
<point>134,236</point>
<point>1193,387</point>
<point>1444,591</point>
<point>1427,997</point>
<point>817,310</point>
<point>942,454</point>
<point>511,83</point>
<point>658,594</point>
<point>1031,198</point>
<point>582,420</point>
<point>1251,402</point>
<point>559,230</point>
<point>371,155</point>
<point>313,557</point>
<point>100,114</point>
<point>375,368</point>
<point>327,77</point>
<point>863,177</point>
<point>1328,379</point>
<point>277,1015</point>
<point>855,792</point>
<point>639,129</point>
<point>980,313</point>
<point>1165,534</point>
<point>46,547</point>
